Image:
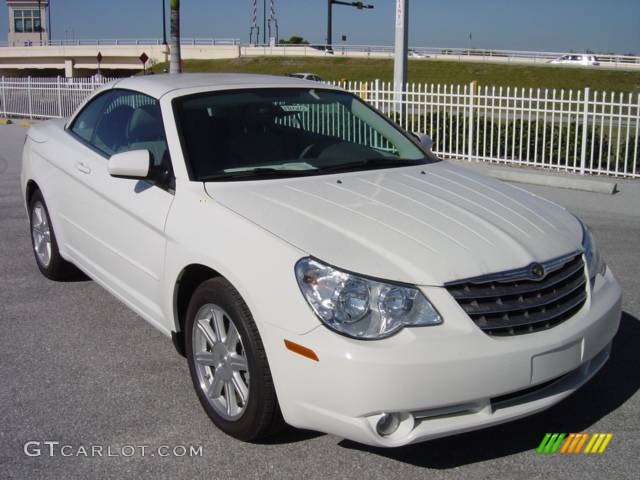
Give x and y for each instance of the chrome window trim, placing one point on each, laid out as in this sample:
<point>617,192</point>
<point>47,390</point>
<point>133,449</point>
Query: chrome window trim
<point>523,273</point>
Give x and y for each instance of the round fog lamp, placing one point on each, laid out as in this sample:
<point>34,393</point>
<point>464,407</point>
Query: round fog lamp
<point>387,424</point>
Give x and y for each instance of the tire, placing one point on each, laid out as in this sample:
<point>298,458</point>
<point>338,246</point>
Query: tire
<point>44,243</point>
<point>224,369</point>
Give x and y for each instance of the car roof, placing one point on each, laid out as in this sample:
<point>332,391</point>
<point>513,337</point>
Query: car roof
<point>159,85</point>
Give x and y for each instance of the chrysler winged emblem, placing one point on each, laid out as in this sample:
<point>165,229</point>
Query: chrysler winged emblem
<point>536,271</point>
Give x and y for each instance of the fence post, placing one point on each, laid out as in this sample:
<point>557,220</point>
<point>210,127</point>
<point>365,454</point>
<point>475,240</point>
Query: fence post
<point>585,129</point>
<point>377,94</point>
<point>29,95</point>
<point>59,88</point>
<point>4,98</point>
<point>472,92</point>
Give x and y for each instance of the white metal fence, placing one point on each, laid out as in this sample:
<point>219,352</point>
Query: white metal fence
<point>44,97</point>
<point>579,131</point>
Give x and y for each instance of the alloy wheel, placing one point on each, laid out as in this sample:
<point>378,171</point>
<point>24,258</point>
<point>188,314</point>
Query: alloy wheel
<point>41,234</point>
<point>220,362</point>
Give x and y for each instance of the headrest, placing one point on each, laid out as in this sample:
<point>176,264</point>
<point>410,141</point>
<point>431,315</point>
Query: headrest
<point>145,124</point>
<point>111,129</point>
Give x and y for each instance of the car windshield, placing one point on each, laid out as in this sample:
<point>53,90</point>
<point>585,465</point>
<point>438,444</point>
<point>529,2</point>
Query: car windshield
<point>268,133</point>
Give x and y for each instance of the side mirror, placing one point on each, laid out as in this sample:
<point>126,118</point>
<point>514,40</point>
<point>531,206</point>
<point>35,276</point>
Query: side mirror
<point>425,140</point>
<point>134,164</point>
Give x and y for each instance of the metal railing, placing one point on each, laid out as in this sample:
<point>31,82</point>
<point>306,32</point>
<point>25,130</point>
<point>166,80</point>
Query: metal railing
<point>460,54</point>
<point>448,53</point>
<point>129,41</point>
<point>580,131</point>
<point>41,98</point>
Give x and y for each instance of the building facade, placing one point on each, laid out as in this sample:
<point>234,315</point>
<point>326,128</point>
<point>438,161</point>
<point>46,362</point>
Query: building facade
<point>28,23</point>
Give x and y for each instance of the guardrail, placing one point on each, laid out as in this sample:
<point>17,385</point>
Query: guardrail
<point>475,54</point>
<point>131,41</point>
<point>579,131</point>
<point>460,54</point>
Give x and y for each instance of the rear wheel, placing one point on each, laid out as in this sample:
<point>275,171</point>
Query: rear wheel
<point>43,240</point>
<point>228,363</point>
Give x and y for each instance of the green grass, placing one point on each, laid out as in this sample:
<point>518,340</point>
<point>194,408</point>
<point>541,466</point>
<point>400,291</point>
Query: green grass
<point>429,71</point>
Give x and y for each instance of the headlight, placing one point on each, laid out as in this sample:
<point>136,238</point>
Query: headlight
<point>595,263</point>
<point>359,307</point>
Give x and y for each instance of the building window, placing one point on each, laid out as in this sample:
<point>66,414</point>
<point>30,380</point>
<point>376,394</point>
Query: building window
<point>27,21</point>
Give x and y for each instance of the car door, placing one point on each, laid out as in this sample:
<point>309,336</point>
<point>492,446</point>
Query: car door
<point>120,222</point>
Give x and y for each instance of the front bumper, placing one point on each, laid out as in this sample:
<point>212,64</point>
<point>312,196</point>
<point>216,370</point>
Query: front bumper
<point>441,380</point>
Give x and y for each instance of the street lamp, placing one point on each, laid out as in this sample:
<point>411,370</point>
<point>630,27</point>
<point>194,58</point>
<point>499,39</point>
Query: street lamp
<point>49,20</point>
<point>99,74</point>
<point>401,53</point>
<point>331,3</point>
<point>40,13</point>
<point>164,32</point>
<point>164,23</point>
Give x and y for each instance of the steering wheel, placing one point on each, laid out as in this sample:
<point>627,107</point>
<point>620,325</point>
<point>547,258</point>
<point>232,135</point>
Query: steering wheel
<point>314,150</point>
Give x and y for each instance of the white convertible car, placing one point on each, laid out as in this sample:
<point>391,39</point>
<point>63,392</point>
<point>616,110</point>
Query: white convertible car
<point>316,264</point>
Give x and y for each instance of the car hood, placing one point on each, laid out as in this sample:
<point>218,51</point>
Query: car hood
<point>425,225</point>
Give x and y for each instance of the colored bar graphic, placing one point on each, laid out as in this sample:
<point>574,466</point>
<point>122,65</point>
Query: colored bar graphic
<point>584,439</point>
<point>574,442</point>
<point>608,438</point>
<point>543,443</point>
<point>598,443</point>
<point>568,442</point>
<point>551,442</point>
<point>590,444</point>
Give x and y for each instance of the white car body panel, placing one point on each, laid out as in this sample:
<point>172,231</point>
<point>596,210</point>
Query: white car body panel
<point>401,225</point>
<point>116,232</point>
<point>428,229</point>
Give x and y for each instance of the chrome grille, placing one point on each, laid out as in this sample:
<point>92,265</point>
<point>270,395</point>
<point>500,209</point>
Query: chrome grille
<point>513,303</point>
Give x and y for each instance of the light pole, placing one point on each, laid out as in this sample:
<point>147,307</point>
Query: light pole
<point>330,4</point>
<point>40,13</point>
<point>401,51</point>
<point>164,31</point>
<point>49,20</point>
<point>164,23</point>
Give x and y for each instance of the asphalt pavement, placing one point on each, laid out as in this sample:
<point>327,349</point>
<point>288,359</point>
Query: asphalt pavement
<point>79,368</point>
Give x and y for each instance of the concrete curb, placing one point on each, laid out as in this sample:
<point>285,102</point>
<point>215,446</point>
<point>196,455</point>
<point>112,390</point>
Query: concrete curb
<point>608,188</point>
<point>547,179</point>
<point>5,121</point>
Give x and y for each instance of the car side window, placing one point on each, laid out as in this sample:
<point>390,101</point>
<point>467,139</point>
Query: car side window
<point>85,123</point>
<point>123,120</point>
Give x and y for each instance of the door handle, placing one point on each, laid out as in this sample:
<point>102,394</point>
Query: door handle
<point>83,167</point>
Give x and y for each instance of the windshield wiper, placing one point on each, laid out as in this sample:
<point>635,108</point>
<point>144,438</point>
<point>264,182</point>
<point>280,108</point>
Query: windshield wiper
<point>369,164</point>
<point>268,172</point>
<point>259,172</point>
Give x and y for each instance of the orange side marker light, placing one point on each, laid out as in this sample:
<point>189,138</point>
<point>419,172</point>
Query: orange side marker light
<point>300,350</point>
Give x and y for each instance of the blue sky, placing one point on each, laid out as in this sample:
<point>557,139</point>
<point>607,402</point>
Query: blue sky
<point>555,25</point>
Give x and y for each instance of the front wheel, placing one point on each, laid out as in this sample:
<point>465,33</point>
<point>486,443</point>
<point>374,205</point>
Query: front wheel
<point>44,243</point>
<point>228,363</point>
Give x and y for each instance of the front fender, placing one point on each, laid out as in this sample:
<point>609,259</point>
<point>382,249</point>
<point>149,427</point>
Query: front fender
<point>258,264</point>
